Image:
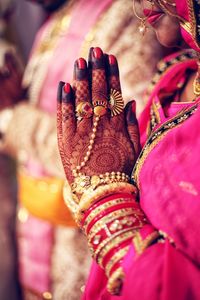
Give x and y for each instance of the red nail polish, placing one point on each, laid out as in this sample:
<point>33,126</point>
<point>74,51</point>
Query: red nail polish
<point>112,59</point>
<point>98,53</point>
<point>81,63</point>
<point>133,106</point>
<point>67,88</point>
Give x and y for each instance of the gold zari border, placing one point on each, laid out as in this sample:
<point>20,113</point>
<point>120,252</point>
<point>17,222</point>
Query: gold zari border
<point>157,136</point>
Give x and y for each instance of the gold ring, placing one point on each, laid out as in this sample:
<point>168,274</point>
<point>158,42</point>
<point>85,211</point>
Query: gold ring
<point>100,107</point>
<point>84,110</point>
<point>116,103</point>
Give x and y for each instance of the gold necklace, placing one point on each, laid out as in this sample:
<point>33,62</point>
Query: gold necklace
<point>37,67</point>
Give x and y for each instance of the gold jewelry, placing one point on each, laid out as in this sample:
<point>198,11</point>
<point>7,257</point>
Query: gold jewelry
<point>115,243</point>
<point>169,12</point>
<point>84,110</point>
<point>116,102</point>
<point>104,206</point>
<point>91,196</point>
<point>113,240</point>
<point>100,107</point>
<point>115,281</point>
<point>83,182</point>
<point>196,83</point>
<point>111,217</point>
<point>115,258</point>
<point>70,199</point>
<point>77,169</point>
<point>168,3</point>
<point>142,27</point>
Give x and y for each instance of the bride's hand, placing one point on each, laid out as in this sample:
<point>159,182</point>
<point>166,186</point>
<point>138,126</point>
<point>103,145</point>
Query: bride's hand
<point>96,135</point>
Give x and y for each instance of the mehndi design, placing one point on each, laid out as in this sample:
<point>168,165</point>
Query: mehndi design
<point>98,147</point>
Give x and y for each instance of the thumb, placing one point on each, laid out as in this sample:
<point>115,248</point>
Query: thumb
<point>132,125</point>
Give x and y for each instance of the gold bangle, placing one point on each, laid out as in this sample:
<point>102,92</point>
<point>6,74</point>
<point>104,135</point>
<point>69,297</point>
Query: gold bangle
<point>115,258</point>
<point>115,239</point>
<point>104,206</point>
<point>108,218</point>
<point>70,199</point>
<point>92,196</point>
<point>114,244</point>
<point>115,281</point>
<point>84,182</point>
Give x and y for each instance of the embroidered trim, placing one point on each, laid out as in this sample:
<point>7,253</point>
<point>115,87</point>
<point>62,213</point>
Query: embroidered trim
<point>165,66</point>
<point>193,26</point>
<point>156,136</point>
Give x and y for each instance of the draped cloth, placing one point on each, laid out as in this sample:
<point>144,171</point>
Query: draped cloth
<point>188,10</point>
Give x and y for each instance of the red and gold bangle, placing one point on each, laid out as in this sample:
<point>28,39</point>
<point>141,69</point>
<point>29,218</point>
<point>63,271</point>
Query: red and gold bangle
<point>99,243</point>
<point>102,205</point>
<point>114,223</point>
<point>108,219</point>
<point>112,247</point>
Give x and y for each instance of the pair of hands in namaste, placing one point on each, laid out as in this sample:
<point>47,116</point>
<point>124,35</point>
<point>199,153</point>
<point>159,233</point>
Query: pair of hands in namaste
<point>115,145</point>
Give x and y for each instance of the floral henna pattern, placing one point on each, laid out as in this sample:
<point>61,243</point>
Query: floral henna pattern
<point>111,152</point>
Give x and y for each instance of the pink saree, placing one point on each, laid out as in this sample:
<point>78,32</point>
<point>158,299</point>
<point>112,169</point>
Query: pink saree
<point>167,174</point>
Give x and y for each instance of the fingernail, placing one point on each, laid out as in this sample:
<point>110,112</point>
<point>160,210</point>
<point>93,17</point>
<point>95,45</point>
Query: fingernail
<point>113,66</point>
<point>66,95</point>
<point>67,88</point>
<point>59,92</point>
<point>133,106</point>
<point>80,69</point>
<point>97,52</point>
<point>81,63</point>
<point>112,59</point>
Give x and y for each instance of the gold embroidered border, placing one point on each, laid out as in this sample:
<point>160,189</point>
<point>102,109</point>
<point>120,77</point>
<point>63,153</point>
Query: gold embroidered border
<point>165,66</point>
<point>191,26</point>
<point>157,136</point>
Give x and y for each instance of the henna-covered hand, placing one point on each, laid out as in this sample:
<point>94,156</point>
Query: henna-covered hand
<point>116,142</point>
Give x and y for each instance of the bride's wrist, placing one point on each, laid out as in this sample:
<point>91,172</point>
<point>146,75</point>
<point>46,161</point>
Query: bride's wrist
<point>87,190</point>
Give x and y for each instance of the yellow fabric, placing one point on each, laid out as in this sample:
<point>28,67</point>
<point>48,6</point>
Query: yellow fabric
<point>43,198</point>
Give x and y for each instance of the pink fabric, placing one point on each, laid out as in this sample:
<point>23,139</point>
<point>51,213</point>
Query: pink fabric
<point>184,7</point>
<point>160,273</point>
<point>169,196</point>
<point>35,239</point>
<point>36,236</point>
